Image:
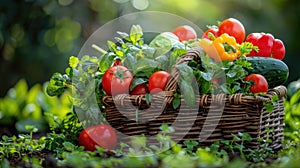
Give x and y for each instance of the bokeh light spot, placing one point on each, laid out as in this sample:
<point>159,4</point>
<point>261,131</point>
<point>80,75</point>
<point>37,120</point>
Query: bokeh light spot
<point>65,2</point>
<point>121,1</point>
<point>140,4</point>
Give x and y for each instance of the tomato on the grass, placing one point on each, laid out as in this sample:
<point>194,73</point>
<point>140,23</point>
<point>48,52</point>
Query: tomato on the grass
<point>158,81</point>
<point>259,84</point>
<point>185,33</point>
<point>140,89</point>
<point>233,27</point>
<point>116,80</point>
<point>100,135</point>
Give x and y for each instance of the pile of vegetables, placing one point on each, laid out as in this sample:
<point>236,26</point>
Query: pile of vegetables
<point>232,63</point>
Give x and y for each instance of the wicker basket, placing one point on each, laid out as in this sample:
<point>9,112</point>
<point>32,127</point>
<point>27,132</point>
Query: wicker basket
<point>216,117</point>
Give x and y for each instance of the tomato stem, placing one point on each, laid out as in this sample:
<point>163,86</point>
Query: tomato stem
<point>120,74</point>
<point>212,36</point>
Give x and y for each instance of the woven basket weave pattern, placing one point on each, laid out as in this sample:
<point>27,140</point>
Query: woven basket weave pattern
<point>216,118</point>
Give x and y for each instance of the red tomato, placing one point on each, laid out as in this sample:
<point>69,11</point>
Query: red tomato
<point>185,33</point>
<point>117,62</point>
<point>278,49</point>
<point>233,27</point>
<point>264,42</point>
<point>214,82</point>
<point>117,80</point>
<point>213,30</point>
<point>158,81</point>
<point>259,85</point>
<point>100,135</point>
<point>140,89</point>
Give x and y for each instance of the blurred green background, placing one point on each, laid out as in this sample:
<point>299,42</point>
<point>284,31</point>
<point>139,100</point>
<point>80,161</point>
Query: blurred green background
<point>38,36</point>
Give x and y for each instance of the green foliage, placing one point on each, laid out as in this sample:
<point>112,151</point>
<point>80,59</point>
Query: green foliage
<point>230,75</point>
<point>292,115</point>
<point>27,106</point>
<point>84,76</point>
<point>19,146</point>
<point>246,47</point>
<point>186,84</point>
<point>137,154</point>
<point>69,126</point>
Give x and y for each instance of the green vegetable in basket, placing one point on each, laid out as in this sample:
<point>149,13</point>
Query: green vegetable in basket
<point>84,75</point>
<point>274,70</point>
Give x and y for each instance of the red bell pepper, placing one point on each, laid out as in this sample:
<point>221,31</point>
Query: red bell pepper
<point>268,46</point>
<point>278,49</point>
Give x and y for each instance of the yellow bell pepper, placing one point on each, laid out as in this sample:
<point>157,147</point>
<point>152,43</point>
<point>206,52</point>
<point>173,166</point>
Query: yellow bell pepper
<point>221,48</point>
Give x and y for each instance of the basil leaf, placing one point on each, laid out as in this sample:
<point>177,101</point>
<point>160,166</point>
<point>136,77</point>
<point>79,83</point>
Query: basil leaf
<point>207,75</point>
<point>186,72</point>
<point>135,34</point>
<point>176,101</point>
<point>173,38</point>
<point>188,93</point>
<point>112,46</point>
<point>148,98</point>
<point>124,35</point>
<point>106,61</point>
<point>129,61</point>
<point>137,81</point>
<point>175,54</point>
<point>162,45</point>
<point>148,51</point>
<point>162,61</point>
<point>186,79</point>
<point>144,64</point>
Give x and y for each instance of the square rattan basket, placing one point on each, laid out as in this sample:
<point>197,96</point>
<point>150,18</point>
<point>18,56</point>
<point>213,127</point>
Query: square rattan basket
<point>216,116</point>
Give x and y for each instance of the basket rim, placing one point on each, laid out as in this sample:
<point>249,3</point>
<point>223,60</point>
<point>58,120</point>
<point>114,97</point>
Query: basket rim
<point>236,98</point>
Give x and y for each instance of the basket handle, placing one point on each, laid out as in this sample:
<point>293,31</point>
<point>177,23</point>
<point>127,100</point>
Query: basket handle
<point>192,54</point>
<point>281,91</point>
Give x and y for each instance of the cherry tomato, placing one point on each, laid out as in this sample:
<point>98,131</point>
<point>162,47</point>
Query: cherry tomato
<point>213,30</point>
<point>259,85</point>
<point>233,27</point>
<point>140,89</point>
<point>185,33</point>
<point>158,81</point>
<point>214,82</point>
<point>278,49</point>
<point>117,62</point>
<point>100,135</point>
<point>116,80</point>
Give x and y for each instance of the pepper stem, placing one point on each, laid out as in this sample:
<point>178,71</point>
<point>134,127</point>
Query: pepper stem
<point>212,36</point>
<point>229,48</point>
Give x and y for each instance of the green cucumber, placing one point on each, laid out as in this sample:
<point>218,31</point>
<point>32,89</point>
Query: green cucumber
<point>275,71</point>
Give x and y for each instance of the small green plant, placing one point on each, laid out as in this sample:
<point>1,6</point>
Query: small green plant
<point>18,146</point>
<point>292,116</point>
<point>28,106</point>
